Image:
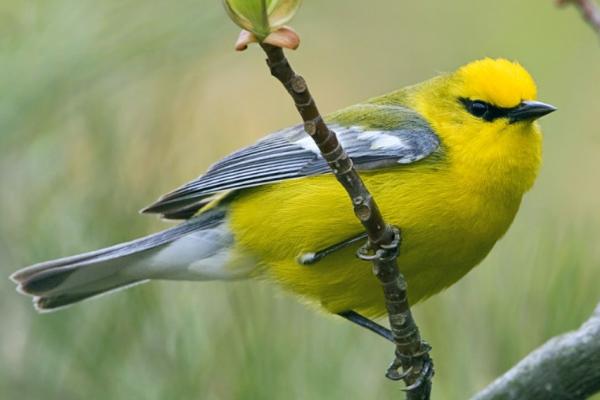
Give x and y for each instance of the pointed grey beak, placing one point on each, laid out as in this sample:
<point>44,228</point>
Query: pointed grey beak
<point>530,111</point>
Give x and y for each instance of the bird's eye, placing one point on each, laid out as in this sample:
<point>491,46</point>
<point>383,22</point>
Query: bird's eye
<point>483,110</point>
<point>478,108</point>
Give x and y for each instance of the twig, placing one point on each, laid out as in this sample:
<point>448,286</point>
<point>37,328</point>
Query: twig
<point>589,10</point>
<point>412,354</point>
<point>565,367</point>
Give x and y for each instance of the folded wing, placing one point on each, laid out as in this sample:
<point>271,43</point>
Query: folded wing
<point>290,153</point>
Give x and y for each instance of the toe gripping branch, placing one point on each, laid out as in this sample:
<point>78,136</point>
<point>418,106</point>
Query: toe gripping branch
<point>412,353</point>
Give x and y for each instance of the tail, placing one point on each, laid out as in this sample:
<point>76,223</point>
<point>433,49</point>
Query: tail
<point>197,249</point>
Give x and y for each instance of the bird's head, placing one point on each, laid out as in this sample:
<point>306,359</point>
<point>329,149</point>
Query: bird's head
<point>485,95</point>
<point>497,90</point>
<point>485,115</point>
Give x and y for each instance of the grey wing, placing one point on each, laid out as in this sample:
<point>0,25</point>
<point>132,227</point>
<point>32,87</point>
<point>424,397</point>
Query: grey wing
<point>290,154</point>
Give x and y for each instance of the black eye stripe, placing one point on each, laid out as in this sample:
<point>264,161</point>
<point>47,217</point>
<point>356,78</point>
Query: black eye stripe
<point>483,110</point>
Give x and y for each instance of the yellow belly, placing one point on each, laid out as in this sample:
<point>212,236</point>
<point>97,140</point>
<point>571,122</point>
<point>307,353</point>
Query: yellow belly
<point>448,228</point>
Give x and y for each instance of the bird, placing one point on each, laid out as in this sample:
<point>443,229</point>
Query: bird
<point>448,161</point>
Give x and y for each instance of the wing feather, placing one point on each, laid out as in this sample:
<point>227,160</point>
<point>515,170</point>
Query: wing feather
<point>290,153</point>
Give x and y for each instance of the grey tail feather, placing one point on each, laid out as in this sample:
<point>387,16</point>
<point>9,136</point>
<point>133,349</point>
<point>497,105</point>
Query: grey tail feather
<point>57,302</point>
<point>58,283</point>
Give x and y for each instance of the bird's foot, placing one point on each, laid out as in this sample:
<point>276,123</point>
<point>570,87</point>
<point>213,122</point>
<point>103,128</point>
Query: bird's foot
<point>417,368</point>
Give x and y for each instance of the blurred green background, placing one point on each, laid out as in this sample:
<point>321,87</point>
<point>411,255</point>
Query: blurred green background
<point>105,105</point>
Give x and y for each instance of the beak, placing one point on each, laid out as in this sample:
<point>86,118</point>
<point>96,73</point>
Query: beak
<point>530,111</point>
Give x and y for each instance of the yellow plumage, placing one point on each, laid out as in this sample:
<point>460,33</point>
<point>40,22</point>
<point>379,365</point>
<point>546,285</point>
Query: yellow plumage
<point>451,210</point>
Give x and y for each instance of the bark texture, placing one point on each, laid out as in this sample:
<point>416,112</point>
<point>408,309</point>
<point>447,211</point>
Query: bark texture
<point>565,367</point>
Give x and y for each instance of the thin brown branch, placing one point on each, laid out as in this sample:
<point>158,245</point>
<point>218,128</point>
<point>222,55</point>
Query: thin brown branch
<point>589,11</point>
<point>565,367</point>
<point>412,354</point>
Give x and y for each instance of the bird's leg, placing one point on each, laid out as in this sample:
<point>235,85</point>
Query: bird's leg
<point>425,369</point>
<point>365,322</point>
<point>314,257</point>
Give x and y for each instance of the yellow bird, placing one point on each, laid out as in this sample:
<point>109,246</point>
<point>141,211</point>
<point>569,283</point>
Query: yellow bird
<point>448,161</point>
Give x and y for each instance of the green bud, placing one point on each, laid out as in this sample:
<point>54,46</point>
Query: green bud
<point>261,17</point>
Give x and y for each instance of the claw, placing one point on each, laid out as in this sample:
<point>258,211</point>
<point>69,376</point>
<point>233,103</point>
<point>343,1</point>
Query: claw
<point>393,373</point>
<point>424,375</point>
<point>415,385</point>
<point>365,254</point>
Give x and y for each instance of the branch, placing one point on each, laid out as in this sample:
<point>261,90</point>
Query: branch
<point>412,354</point>
<point>589,11</point>
<point>565,367</point>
